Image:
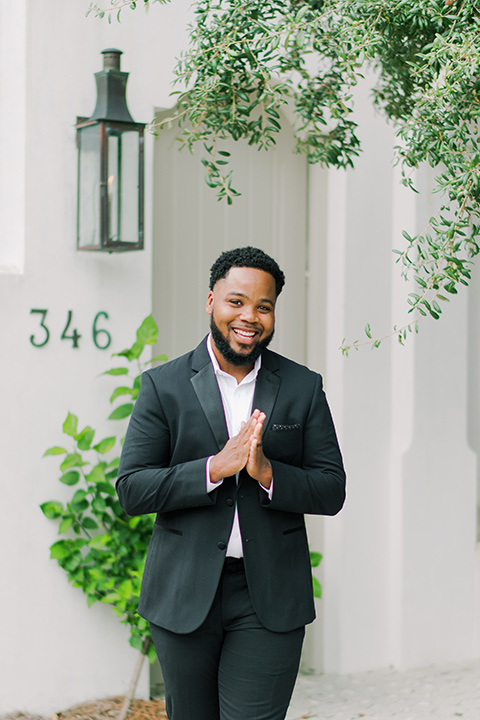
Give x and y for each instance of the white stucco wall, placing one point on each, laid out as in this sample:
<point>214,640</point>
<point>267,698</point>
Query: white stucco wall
<point>54,650</point>
<point>400,571</point>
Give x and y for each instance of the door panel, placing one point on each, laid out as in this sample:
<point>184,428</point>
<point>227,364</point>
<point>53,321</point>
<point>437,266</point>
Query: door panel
<point>191,228</point>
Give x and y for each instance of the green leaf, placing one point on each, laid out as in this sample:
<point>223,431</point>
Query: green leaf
<point>151,653</point>
<point>99,541</point>
<point>65,525</point>
<point>72,562</point>
<point>317,588</point>
<point>120,391</point>
<point>136,642</point>
<point>70,425</point>
<point>147,333</point>
<point>122,411</point>
<point>72,460</point>
<point>56,450</point>
<point>99,505</point>
<point>97,474</point>
<point>89,523</point>
<point>84,439</point>
<point>79,503</point>
<point>113,599</point>
<point>105,445</point>
<point>315,558</point>
<point>125,589</point>
<point>107,488</point>
<point>70,478</point>
<point>116,371</point>
<point>301,13</point>
<point>131,353</point>
<point>61,549</point>
<point>137,384</point>
<point>52,509</point>
<point>300,39</point>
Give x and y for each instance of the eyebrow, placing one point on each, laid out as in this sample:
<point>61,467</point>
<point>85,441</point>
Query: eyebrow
<point>242,295</point>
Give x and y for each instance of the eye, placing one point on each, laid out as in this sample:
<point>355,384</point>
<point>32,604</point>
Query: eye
<point>235,302</point>
<point>265,308</point>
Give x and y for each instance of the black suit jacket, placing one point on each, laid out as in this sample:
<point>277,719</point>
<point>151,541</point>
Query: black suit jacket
<point>177,423</point>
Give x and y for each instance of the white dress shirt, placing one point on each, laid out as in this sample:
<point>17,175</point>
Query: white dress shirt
<point>237,399</point>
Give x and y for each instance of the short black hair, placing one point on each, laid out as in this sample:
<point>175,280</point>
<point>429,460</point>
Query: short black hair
<point>249,257</point>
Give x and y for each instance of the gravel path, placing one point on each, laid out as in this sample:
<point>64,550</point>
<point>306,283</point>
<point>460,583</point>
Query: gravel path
<point>445,692</point>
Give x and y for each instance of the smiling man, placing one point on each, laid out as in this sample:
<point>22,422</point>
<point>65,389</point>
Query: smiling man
<point>230,445</point>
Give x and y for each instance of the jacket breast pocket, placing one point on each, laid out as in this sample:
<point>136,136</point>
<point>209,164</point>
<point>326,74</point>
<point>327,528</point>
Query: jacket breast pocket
<point>285,443</point>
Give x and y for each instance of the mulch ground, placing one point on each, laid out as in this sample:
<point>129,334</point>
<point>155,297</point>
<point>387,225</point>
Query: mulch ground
<point>105,709</point>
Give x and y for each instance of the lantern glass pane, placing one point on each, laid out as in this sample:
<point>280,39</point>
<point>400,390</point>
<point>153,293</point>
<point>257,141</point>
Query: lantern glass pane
<point>88,221</point>
<point>114,163</point>
<point>123,185</point>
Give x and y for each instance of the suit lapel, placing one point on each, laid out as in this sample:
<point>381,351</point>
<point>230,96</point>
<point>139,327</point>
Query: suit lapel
<point>206,389</point>
<point>267,386</point>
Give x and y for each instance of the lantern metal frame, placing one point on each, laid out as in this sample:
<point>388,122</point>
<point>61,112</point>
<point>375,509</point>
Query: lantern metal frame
<point>113,119</point>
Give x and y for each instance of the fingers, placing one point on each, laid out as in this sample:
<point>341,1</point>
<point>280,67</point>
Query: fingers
<point>237,452</point>
<point>258,430</point>
<point>258,466</point>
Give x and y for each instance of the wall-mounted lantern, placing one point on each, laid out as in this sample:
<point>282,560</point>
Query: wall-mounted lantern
<point>110,167</point>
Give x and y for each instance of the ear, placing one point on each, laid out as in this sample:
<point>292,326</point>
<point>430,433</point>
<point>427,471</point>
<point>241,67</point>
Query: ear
<point>209,307</point>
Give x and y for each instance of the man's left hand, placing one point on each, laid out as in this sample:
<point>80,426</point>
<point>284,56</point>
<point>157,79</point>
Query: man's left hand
<point>258,466</point>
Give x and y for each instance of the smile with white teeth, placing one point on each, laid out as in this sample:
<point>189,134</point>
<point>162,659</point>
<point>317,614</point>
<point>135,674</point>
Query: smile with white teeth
<point>244,334</point>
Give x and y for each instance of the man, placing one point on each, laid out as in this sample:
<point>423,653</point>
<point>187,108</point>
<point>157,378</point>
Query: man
<point>230,445</point>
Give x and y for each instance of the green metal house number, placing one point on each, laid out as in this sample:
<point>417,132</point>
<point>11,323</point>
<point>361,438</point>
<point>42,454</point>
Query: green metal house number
<point>101,337</point>
<point>74,337</point>
<point>46,331</point>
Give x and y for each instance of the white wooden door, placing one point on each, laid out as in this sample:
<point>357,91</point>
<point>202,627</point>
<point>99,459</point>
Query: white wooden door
<point>191,228</point>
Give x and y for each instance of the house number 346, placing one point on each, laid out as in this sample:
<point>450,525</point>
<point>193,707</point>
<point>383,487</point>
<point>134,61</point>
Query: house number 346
<point>101,337</point>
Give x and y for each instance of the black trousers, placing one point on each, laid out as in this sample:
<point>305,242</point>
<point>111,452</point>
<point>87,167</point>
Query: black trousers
<point>231,668</point>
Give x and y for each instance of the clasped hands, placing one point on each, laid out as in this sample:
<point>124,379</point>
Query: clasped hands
<point>244,450</point>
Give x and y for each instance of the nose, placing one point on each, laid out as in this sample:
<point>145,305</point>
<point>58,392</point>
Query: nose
<point>249,313</point>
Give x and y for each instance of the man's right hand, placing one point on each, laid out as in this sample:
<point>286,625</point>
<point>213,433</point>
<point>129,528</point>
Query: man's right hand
<point>234,455</point>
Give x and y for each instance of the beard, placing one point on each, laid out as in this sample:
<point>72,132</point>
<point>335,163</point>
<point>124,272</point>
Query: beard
<point>224,348</point>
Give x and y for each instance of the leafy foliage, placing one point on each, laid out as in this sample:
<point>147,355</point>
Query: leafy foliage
<point>118,5</point>
<point>102,549</point>
<point>248,60</point>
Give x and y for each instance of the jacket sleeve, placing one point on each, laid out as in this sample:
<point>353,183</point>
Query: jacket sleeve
<point>318,486</point>
<point>146,483</point>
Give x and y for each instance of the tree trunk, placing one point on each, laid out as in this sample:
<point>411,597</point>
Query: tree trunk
<point>133,684</point>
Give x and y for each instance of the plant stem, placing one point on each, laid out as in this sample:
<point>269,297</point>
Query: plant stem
<point>133,684</point>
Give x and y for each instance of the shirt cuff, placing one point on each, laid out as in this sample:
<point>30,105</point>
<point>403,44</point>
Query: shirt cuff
<point>211,485</point>
<point>269,490</point>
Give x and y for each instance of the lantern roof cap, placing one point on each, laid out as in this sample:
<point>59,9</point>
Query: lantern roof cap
<point>111,58</point>
<point>111,89</point>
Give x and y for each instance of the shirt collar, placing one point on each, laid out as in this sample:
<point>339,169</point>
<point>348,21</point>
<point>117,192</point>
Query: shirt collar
<point>252,375</point>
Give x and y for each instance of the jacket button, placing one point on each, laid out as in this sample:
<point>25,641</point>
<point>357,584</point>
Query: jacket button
<point>229,502</point>
<point>221,545</point>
